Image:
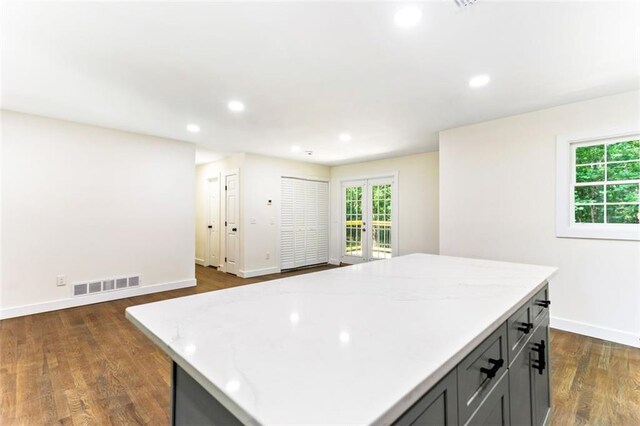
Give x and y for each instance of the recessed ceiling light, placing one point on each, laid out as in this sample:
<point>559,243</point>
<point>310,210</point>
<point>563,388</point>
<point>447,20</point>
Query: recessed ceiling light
<point>236,106</point>
<point>193,128</point>
<point>479,80</point>
<point>296,148</point>
<point>408,16</point>
<point>345,137</point>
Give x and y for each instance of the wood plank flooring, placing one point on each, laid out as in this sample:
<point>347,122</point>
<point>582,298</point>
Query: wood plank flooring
<point>90,366</point>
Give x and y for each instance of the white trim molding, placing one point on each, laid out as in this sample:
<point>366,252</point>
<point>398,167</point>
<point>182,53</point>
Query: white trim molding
<point>617,336</point>
<point>565,223</point>
<point>258,272</point>
<point>200,262</point>
<point>72,302</point>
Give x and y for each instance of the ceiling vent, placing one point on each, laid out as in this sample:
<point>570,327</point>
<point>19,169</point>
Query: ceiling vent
<point>464,3</point>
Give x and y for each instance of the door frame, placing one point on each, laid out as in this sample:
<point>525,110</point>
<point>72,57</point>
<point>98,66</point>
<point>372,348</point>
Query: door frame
<point>395,228</point>
<point>207,249</point>
<point>223,218</point>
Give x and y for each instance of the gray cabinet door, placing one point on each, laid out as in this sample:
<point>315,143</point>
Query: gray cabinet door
<point>519,329</point>
<point>494,410</point>
<point>439,407</point>
<point>520,389</point>
<point>479,372</point>
<point>540,373</point>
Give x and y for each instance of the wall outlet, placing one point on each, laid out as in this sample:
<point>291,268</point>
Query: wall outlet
<point>268,255</point>
<point>252,220</point>
<point>61,280</point>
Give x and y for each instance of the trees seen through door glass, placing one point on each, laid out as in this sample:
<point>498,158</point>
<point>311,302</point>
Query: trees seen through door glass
<point>353,221</point>
<point>381,225</point>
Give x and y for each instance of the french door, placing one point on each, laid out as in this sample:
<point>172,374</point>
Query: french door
<point>368,213</point>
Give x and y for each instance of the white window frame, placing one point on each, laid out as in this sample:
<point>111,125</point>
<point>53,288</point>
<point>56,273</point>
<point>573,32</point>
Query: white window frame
<point>565,166</point>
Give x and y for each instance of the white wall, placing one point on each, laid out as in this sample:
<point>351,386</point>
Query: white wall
<point>260,222</point>
<point>497,201</point>
<point>91,203</point>
<point>262,183</point>
<point>417,198</point>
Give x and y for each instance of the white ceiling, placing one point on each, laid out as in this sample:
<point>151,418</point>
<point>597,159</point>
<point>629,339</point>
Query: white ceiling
<point>310,71</point>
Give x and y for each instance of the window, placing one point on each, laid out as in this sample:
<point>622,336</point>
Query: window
<point>599,187</point>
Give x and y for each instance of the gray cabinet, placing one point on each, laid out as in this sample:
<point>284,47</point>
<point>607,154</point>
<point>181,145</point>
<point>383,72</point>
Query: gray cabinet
<point>503,381</point>
<point>541,394</point>
<point>519,329</point>
<point>529,391</point>
<point>480,371</point>
<point>193,405</point>
<point>540,305</point>
<point>520,389</point>
<point>494,410</point>
<point>439,407</point>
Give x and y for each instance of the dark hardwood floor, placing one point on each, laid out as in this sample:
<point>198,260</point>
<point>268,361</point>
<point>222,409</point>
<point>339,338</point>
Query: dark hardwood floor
<point>89,365</point>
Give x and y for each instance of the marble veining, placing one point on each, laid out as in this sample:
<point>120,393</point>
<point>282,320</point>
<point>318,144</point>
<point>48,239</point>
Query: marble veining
<point>354,345</point>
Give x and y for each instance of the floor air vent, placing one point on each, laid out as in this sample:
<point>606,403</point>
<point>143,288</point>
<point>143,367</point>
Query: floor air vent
<point>80,289</point>
<point>110,284</point>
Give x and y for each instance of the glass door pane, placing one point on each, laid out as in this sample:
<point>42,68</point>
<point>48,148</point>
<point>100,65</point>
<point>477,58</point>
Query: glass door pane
<point>354,245</point>
<point>380,207</point>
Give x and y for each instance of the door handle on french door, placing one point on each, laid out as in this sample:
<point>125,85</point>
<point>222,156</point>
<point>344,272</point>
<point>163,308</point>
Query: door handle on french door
<point>364,230</point>
<point>234,229</point>
<point>210,226</point>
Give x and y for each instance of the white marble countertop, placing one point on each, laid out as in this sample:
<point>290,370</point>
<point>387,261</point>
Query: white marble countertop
<point>353,345</point>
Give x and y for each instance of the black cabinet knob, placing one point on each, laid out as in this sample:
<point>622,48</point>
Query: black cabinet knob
<point>496,364</point>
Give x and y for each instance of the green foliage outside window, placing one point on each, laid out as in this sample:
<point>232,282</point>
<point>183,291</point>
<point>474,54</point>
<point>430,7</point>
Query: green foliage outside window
<point>623,151</point>
<point>590,154</point>
<point>604,200</point>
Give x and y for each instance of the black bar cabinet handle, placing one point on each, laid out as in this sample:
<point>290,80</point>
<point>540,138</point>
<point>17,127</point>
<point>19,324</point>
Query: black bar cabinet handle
<point>491,372</point>
<point>541,363</point>
<point>543,303</point>
<point>525,327</point>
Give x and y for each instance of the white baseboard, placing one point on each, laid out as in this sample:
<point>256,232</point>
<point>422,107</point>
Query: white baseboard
<point>334,262</point>
<point>257,272</point>
<point>200,261</point>
<point>72,302</point>
<point>604,333</point>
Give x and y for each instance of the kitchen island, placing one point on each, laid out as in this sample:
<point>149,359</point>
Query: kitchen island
<point>414,339</point>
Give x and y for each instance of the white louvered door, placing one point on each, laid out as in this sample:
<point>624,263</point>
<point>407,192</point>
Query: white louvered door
<point>300,225</point>
<point>323,221</point>
<point>287,229</point>
<point>304,223</point>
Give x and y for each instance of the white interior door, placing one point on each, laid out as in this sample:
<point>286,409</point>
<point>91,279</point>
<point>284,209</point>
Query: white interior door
<point>232,220</point>
<point>369,207</point>
<point>214,223</point>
